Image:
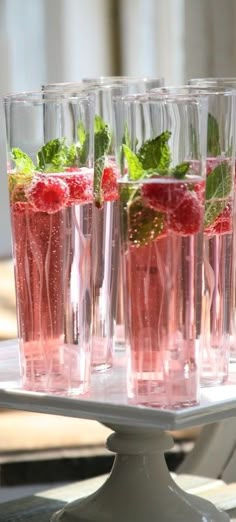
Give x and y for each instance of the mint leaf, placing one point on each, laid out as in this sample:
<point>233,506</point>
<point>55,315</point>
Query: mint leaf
<point>56,155</point>
<point>144,223</point>
<point>180,170</point>
<point>23,162</point>
<point>83,146</point>
<point>102,137</point>
<point>135,168</point>
<point>218,187</point>
<point>102,141</point>
<point>99,165</point>
<point>155,153</point>
<point>125,141</point>
<point>53,155</point>
<point>213,136</point>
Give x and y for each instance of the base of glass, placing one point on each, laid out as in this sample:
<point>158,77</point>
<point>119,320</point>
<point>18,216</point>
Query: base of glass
<point>212,380</point>
<point>164,395</point>
<point>77,390</point>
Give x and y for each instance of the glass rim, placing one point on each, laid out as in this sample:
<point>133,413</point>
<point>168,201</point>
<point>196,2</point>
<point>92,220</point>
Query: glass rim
<point>213,80</point>
<point>101,79</point>
<point>68,87</point>
<point>37,97</point>
<point>149,97</point>
<point>178,90</point>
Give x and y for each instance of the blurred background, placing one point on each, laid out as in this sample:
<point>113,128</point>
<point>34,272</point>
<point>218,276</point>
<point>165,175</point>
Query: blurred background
<point>63,40</point>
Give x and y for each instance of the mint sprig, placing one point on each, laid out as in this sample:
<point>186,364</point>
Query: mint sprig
<point>213,136</point>
<point>155,153</point>
<point>218,187</point>
<point>180,171</point>
<point>135,167</point>
<point>56,155</point>
<point>83,144</point>
<point>23,163</point>
<point>102,141</point>
<point>154,156</point>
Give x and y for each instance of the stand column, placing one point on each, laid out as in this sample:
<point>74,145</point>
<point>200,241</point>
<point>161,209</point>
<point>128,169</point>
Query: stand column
<point>140,487</point>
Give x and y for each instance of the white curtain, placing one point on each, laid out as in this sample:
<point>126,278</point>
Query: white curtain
<point>63,40</point>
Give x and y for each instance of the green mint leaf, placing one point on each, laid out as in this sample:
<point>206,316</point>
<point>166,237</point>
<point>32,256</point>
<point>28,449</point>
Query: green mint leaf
<point>99,165</point>
<point>144,223</point>
<point>56,155</point>
<point>83,145</point>
<point>213,136</point>
<point>102,141</point>
<point>218,187</point>
<point>194,142</point>
<point>53,155</point>
<point>155,153</point>
<point>125,141</point>
<point>135,168</point>
<point>180,170</point>
<point>23,162</point>
<point>102,138</point>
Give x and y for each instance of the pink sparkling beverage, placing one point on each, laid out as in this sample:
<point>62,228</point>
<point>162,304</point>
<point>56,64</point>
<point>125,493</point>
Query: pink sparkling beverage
<point>162,259</point>
<point>52,254</point>
<point>217,311</point>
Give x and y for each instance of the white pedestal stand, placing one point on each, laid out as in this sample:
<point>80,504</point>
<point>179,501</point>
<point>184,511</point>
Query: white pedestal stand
<point>140,487</point>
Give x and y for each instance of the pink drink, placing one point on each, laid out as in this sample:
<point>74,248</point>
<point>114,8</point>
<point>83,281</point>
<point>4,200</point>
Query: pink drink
<point>52,251</point>
<point>162,259</point>
<point>218,287</point>
<point>105,242</point>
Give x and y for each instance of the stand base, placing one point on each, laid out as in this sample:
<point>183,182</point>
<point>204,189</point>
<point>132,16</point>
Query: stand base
<point>140,487</point>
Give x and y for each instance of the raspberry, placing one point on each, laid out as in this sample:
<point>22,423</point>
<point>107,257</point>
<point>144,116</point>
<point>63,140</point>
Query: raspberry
<point>109,184</point>
<point>223,223</point>
<point>199,189</point>
<point>19,207</point>
<point>48,193</point>
<point>80,187</point>
<point>164,197</point>
<point>187,217</point>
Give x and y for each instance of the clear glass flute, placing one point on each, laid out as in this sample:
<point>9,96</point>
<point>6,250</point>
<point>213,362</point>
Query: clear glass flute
<point>218,231</point>
<point>134,85</point>
<point>162,197</point>
<point>227,83</point>
<point>105,229</point>
<point>50,179</point>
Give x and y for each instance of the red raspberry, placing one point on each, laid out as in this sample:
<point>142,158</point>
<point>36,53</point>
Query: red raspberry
<point>199,189</point>
<point>80,186</point>
<point>187,217</point>
<point>48,193</point>
<point>109,184</point>
<point>164,197</point>
<point>19,207</point>
<point>223,223</point>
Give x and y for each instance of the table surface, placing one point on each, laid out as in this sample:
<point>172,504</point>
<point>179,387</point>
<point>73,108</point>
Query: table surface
<point>108,403</point>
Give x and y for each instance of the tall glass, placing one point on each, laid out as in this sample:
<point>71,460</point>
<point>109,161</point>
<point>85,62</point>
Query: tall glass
<point>218,232</point>
<point>134,85</point>
<point>105,229</point>
<point>162,196</point>
<point>226,83</point>
<point>50,177</point>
